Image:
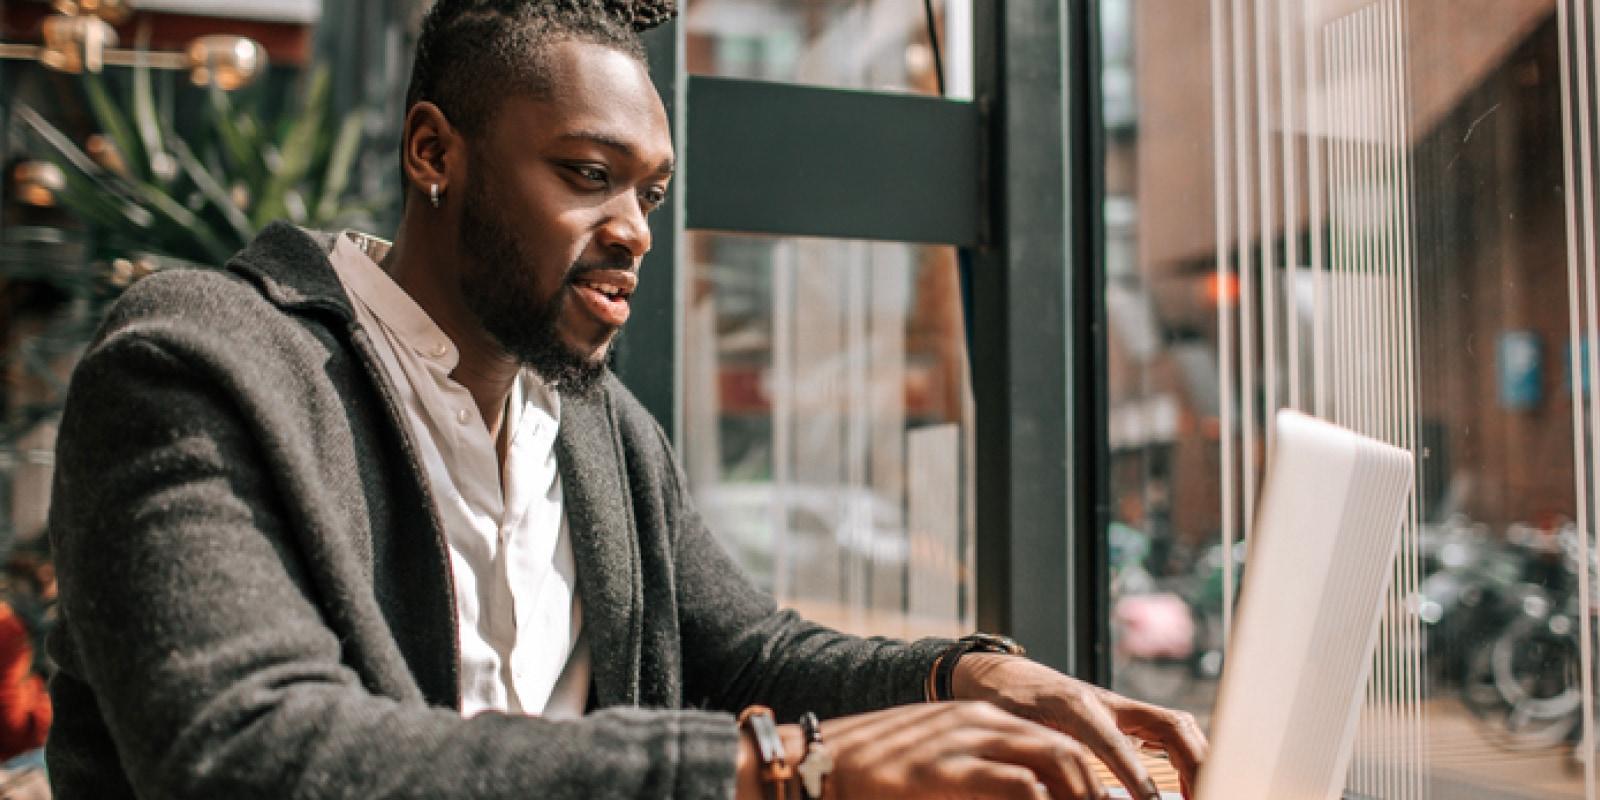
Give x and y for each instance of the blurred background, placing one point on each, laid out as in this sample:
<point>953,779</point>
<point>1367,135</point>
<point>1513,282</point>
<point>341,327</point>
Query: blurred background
<point>1378,210</point>
<point>1300,195</point>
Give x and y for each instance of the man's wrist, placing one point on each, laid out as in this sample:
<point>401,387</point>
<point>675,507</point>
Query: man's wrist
<point>979,676</point>
<point>794,746</point>
<point>940,683</point>
<point>747,771</point>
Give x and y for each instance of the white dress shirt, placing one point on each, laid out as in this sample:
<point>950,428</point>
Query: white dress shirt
<point>519,621</point>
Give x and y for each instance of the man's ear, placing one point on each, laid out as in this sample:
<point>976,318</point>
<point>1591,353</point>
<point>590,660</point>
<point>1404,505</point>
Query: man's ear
<point>430,150</point>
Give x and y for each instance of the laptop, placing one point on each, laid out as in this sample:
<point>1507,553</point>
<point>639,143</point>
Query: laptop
<point>1321,562</point>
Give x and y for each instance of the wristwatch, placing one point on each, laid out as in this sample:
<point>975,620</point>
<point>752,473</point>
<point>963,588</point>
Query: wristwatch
<point>942,676</point>
<point>817,764</point>
<point>775,770</point>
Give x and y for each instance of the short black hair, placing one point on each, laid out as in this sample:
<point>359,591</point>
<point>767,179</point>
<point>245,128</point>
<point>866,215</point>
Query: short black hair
<point>472,53</point>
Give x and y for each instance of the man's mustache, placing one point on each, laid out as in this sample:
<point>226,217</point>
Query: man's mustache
<point>580,269</point>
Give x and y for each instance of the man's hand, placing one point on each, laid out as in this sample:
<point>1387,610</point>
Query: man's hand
<point>941,750</point>
<point>955,750</point>
<point>1100,719</point>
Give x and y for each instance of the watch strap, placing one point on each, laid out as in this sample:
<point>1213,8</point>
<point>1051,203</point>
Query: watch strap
<point>941,678</point>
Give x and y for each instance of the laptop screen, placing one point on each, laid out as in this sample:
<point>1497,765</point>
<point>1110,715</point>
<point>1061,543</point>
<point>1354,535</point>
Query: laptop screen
<point>1320,563</point>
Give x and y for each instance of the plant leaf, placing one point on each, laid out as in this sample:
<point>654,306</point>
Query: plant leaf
<point>90,190</point>
<point>236,143</point>
<point>57,140</point>
<point>83,198</point>
<point>298,149</point>
<point>184,222</point>
<point>212,189</point>
<point>144,106</point>
<point>115,125</point>
<point>336,178</point>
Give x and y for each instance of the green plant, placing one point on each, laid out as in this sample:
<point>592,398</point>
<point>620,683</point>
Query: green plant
<point>148,198</point>
<point>149,195</point>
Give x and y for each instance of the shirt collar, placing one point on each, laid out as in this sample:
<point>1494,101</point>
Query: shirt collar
<point>353,257</point>
<point>542,396</point>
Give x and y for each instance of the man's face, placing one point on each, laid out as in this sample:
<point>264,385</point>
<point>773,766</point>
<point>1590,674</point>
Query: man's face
<point>553,212</point>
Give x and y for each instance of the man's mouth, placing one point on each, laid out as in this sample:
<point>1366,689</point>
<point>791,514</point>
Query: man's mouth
<point>605,294</point>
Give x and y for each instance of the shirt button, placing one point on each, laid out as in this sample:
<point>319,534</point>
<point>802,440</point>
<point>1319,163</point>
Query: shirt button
<point>463,416</point>
<point>439,350</point>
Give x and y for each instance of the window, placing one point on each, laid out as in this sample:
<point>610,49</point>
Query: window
<point>826,422</point>
<point>880,45</point>
<point>1381,212</point>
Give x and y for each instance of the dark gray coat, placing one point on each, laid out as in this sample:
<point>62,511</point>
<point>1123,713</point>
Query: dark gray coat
<point>255,590</point>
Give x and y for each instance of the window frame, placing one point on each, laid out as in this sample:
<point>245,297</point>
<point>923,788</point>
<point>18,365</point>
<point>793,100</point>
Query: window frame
<point>1022,165</point>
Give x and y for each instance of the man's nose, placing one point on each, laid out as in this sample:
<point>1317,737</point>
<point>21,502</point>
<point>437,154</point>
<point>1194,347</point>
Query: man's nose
<point>626,227</point>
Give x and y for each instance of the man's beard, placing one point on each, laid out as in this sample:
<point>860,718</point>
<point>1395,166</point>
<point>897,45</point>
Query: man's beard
<point>497,285</point>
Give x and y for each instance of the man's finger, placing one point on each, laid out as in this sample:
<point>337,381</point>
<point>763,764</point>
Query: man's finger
<point>1176,732</point>
<point>977,777</point>
<point>1059,761</point>
<point>1121,756</point>
<point>891,727</point>
<point>880,735</point>
<point>1087,717</point>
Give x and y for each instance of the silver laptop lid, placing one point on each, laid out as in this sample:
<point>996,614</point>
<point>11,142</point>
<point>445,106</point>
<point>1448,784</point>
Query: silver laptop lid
<point>1321,560</point>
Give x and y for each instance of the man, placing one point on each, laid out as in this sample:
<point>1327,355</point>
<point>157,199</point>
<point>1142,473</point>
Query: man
<point>359,520</point>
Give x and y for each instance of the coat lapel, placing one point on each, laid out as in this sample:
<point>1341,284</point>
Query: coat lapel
<point>291,266</point>
<point>600,522</point>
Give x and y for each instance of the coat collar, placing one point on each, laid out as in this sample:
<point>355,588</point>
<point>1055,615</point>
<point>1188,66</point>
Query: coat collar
<point>291,266</point>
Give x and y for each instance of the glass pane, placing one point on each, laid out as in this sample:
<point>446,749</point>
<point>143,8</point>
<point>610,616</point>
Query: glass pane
<point>826,424</point>
<point>857,44</point>
<point>1163,390</point>
<point>1381,212</point>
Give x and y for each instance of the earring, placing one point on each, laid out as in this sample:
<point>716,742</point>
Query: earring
<point>433,195</point>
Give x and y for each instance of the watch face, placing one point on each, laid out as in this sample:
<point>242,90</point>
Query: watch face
<point>995,643</point>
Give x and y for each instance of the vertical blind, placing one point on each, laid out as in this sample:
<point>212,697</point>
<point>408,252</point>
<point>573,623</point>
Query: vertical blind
<point>1314,227</point>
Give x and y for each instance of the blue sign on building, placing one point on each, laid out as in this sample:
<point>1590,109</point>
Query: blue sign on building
<point>1518,361</point>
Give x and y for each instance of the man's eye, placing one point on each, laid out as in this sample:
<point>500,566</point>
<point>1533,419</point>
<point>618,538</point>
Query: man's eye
<point>593,175</point>
<point>653,198</point>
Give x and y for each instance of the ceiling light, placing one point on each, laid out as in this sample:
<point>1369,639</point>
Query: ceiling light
<point>113,11</point>
<point>75,44</point>
<point>226,62</point>
<point>37,183</point>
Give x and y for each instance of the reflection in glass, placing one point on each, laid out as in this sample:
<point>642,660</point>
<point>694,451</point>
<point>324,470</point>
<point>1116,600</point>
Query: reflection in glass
<point>880,45</point>
<point>826,416</point>
<point>1378,210</point>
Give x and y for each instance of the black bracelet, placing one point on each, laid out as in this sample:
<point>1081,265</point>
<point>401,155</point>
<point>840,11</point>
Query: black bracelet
<point>811,727</point>
<point>817,764</point>
<point>944,670</point>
